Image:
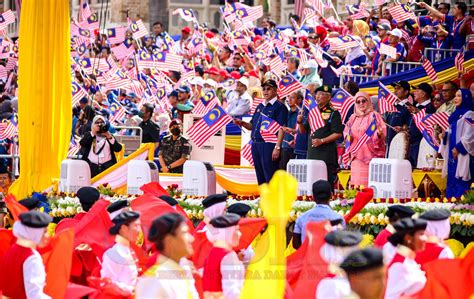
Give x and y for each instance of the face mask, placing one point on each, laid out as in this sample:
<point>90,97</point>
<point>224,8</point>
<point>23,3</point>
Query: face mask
<point>141,114</point>
<point>175,131</point>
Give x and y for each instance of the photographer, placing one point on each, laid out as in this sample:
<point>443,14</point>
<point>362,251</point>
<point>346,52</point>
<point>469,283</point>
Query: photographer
<point>98,146</point>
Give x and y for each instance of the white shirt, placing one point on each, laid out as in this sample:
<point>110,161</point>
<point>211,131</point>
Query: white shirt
<point>238,104</point>
<point>233,275</point>
<point>166,280</point>
<point>105,155</point>
<point>405,278</point>
<point>333,288</point>
<point>119,265</point>
<point>389,252</point>
<point>34,276</point>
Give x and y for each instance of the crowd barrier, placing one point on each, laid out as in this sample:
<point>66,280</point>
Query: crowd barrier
<point>435,55</point>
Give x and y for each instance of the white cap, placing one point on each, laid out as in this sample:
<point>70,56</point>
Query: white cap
<point>244,81</point>
<point>211,83</point>
<point>396,32</point>
<point>197,81</point>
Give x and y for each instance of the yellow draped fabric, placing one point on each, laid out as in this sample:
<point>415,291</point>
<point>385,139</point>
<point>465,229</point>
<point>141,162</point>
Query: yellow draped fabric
<point>266,274</point>
<point>344,176</point>
<point>44,93</point>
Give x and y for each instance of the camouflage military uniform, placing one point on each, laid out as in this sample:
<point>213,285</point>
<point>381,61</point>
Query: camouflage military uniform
<point>172,150</point>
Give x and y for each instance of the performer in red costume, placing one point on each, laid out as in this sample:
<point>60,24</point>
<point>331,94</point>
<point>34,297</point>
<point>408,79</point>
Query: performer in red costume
<point>23,274</point>
<point>87,197</point>
<point>437,230</point>
<point>224,273</point>
<point>404,276</point>
<point>214,205</point>
<point>394,213</point>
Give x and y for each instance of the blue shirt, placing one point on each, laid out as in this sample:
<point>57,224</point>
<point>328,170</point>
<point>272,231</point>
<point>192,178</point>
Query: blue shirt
<point>292,115</point>
<point>316,214</point>
<point>273,109</point>
<point>454,27</point>
<point>301,141</point>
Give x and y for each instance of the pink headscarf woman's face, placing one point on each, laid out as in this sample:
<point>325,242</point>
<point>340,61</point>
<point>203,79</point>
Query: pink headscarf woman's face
<point>363,104</point>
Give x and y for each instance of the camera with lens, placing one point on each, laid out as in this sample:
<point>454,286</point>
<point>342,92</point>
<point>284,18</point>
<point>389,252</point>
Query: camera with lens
<point>103,128</point>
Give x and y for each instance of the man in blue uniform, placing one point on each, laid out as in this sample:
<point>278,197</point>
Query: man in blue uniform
<point>266,155</point>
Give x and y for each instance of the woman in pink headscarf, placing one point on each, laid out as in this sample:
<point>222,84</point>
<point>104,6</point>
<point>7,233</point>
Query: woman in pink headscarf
<point>362,120</point>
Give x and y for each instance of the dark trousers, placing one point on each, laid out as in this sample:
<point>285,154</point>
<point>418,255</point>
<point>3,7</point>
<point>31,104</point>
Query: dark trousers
<point>265,167</point>
<point>286,155</point>
<point>97,169</point>
<point>414,149</point>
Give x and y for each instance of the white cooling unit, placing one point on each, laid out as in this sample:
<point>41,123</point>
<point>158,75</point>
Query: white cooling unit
<point>390,178</point>
<point>199,178</point>
<point>212,150</point>
<point>306,173</point>
<point>140,172</point>
<point>75,174</point>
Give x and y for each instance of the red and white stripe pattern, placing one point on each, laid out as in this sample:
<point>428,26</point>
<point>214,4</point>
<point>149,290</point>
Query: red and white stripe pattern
<point>256,101</point>
<point>77,93</point>
<point>3,73</point>
<point>116,35</point>
<point>401,13</point>
<point>299,8</point>
<point>206,127</point>
<point>206,103</point>
<point>430,71</point>
<point>118,116</point>
<point>342,43</point>
<point>7,130</point>
<point>84,12</point>
<point>138,29</point>
<point>318,5</point>
<point>277,66</point>
<point>387,100</point>
<point>166,61</point>
<point>357,12</point>
<point>315,118</point>
<point>385,106</point>
<point>288,85</point>
<point>459,62</point>
<point>122,51</point>
<point>6,18</point>
<point>74,146</point>
<point>269,133</point>
<point>439,118</point>
<point>417,118</point>
<point>247,152</point>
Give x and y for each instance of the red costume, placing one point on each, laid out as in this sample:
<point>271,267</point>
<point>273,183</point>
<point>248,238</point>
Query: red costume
<point>212,276</point>
<point>11,276</point>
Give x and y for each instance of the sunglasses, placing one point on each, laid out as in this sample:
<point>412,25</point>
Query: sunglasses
<point>267,88</point>
<point>313,36</point>
<point>361,102</point>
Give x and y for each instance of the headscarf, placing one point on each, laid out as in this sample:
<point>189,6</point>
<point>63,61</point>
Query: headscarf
<point>215,234</point>
<point>163,122</point>
<point>439,228</point>
<point>466,105</point>
<point>215,210</point>
<point>360,28</point>
<point>370,107</point>
<point>28,233</point>
<point>96,118</point>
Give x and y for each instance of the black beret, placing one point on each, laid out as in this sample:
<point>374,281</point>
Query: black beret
<point>238,208</point>
<point>408,224</point>
<point>363,259</point>
<point>213,199</point>
<point>117,205</point>
<point>30,203</point>
<point>224,221</point>
<point>163,225</point>
<point>125,217</point>
<point>169,200</point>
<point>324,88</point>
<point>436,215</point>
<point>343,238</point>
<point>35,219</point>
<point>272,83</point>
<point>88,195</point>
<point>335,222</point>
<point>402,211</point>
<point>322,190</point>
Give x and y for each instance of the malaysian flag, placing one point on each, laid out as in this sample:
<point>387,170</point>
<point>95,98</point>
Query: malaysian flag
<point>186,14</point>
<point>430,71</point>
<point>247,152</point>
<point>123,50</point>
<point>118,112</point>
<point>342,42</point>
<point>417,118</point>
<point>138,29</point>
<point>387,100</point>
<point>357,12</point>
<point>84,12</point>
<point>6,18</point>
<point>299,8</point>
<point>342,101</point>
<point>288,85</point>
<point>166,61</point>
<point>206,127</point>
<point>401,13</point>
<point>195,45</point>
<point>145,60</point>
<point>243,13</point>
<point>7,130</point>
<point>459,62</point>
<point>256,101</point>
<point>206,103</point>
<point>77,93</point>
<point>116,35</point>
<point>277,66</point>
<point>119,79</point>
<point>3,73</point>
<point>346,157</point>
<point>317,5</point>
<point>369,132</point>
<point>427,127</point>
<point>439,118</point>
<point>74,146</point>
<point>315,118</point>
<point>269,129</point>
